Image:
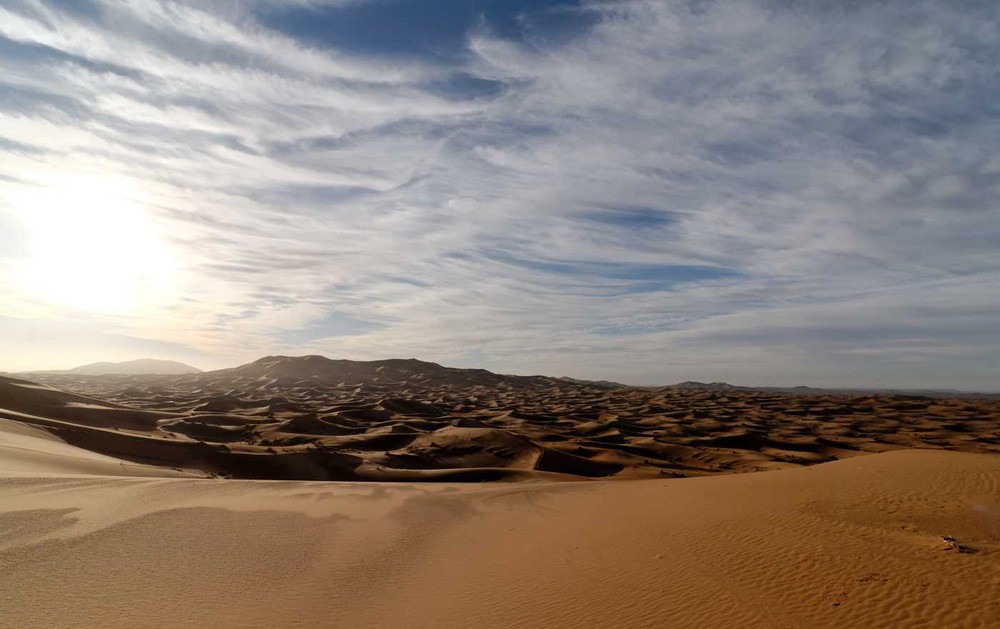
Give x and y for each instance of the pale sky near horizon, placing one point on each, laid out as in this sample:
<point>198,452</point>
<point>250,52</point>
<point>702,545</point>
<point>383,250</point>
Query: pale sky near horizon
<point>766,193</point>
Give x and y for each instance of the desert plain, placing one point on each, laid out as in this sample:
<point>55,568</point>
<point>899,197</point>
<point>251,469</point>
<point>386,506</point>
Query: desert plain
<point>306,492</point>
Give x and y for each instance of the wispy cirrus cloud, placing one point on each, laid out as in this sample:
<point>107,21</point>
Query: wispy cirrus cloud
<point>647,191</point>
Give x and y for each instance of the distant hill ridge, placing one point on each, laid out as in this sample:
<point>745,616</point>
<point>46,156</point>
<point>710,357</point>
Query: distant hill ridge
<point>319,370</point>
<point>284,369</point>
<point>315,369</point>
<point>691,385</point>
<point>142,366</point>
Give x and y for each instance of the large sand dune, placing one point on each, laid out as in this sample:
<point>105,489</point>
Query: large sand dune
<point>853,543</point>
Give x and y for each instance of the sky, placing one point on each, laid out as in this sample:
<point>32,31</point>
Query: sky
<point>765,193</point>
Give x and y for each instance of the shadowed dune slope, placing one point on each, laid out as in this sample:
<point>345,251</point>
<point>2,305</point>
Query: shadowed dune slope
<point>852,543</point>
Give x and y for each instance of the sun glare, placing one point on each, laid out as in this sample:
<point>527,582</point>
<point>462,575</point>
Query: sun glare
<point>93,246</point>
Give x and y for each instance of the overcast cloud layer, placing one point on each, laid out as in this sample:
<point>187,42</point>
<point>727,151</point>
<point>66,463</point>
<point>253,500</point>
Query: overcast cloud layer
<point>773,193</point>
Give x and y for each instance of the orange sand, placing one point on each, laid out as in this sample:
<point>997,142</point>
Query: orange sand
<point>853,543</point>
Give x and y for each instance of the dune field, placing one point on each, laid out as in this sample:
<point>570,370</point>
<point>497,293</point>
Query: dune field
<point>311,418</point>
<point>116,509</point>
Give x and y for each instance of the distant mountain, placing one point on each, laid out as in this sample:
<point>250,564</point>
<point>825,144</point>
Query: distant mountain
<point>142,366</point>
<point>691,385</point>
<point>604,384</point>
<point>930,393</point>
<point>313,370</point>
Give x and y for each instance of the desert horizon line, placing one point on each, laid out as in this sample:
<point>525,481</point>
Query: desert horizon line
<point>525,374</point>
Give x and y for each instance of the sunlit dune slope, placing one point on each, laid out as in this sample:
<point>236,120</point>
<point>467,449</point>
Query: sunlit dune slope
<point>853,543</point>
<point>29,451</point>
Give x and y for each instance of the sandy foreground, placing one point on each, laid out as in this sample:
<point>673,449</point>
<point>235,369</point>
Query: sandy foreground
<point>85,541</point>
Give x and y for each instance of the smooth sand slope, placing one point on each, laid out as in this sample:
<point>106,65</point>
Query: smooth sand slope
<point>29,451</point>
<point>852,543</point>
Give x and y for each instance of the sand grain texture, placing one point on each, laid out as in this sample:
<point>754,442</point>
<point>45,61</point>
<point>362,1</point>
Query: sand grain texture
<point>853,543</point>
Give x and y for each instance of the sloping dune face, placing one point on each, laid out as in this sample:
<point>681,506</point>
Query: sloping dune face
<point>311,418</point>
<point>853,543</point>
<point>26,451</point>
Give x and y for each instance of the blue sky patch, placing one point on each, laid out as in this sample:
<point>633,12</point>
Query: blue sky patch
<point>662,275</point>
<point>630,218</point>
<point>435,30</point>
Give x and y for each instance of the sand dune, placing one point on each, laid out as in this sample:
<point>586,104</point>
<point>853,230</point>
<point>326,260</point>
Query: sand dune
<point>29,451</point>
<point>312,418</point>
<point>853,543</point>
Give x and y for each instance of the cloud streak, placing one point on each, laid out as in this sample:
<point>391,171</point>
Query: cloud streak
<point>643,191</point>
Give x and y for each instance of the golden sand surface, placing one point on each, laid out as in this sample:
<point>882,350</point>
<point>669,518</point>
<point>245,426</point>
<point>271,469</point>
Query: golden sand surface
<point>851,543</point>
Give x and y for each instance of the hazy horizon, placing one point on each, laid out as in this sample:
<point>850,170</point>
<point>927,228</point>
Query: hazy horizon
<point>760,193</point>
<point>859,387</point>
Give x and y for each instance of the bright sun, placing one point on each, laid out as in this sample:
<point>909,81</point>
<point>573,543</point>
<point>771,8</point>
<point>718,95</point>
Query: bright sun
<point>93,246</point>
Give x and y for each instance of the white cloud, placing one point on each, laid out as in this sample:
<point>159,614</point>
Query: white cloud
<point>837,163</point>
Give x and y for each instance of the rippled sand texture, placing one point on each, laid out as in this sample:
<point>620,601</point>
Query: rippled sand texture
<point>853,543</point>
<point>312,418</point>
